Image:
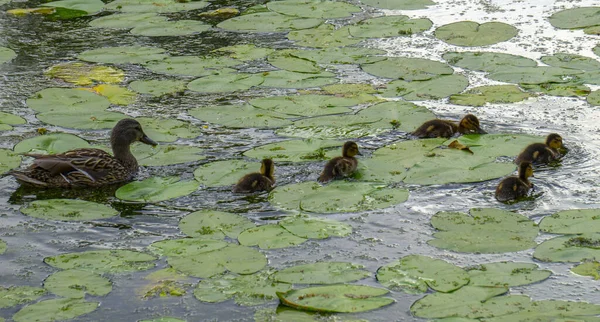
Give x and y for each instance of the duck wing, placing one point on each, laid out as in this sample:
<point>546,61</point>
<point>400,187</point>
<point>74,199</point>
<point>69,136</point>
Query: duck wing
<point>81,164</point>
<point>338,167</point>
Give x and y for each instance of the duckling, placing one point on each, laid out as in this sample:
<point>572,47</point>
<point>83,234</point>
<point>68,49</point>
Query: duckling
<point>539,153</point>
<point>257,181</point>
<point>340,167</point>
<point>513,187</point>
<point>445,129</point>
<point>88,167</point>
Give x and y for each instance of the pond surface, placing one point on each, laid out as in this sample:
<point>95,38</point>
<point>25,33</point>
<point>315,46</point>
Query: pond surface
<point>379,236</point>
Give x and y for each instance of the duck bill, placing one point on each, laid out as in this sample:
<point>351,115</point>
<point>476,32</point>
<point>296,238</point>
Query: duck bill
<point>146,140</point>
<point>481,131</point>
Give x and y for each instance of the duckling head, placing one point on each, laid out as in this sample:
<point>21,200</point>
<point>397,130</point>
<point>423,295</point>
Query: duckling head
<point>525,170</point>
<point>267,168</point>
<point>128,131</point>
<point>554,141</point>
<point>350,149</point>
<point>470,124</point>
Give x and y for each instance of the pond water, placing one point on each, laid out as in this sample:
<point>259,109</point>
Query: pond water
<point>379,236</point>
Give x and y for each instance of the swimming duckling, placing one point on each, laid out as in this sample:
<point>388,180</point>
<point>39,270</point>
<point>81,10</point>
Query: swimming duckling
<point>88,167</point>
<point>538,153</point>
<point>445,129</point>
<point>257,181</point>
<point>340,167</point>
<point>513,187</point>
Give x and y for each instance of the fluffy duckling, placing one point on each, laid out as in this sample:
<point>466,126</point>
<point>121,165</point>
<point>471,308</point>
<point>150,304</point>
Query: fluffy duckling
<point>513,187</point>
<point>257,181</point>
<point>539,153</point>
<point>445,129</point>
<point>88,167</point>
<point>340,167</point>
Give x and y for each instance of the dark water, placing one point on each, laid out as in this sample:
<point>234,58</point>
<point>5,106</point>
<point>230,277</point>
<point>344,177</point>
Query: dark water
<point>379,236</point>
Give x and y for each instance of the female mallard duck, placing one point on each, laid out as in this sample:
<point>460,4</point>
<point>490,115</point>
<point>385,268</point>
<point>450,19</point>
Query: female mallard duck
<point>445,129</point>
<point>538,153</point>
<point>257,181</point>
<point>513,187</point>
<point>88,167</point>
<point>343,166</point>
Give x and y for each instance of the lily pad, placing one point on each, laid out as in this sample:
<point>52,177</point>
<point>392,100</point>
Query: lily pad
<point>493,94</point>
<point>316,228</point>
<point>55,310</point>
<point>73,283</point>
<point>16,295</point>
<point>336,197</point>
<point>225,81</point>
<point>287,79</point>
<point>191,65</point>
<point>284,59</point>
<point>409,69</point>
<point>535,75</point>
<point>313,8</point>
<point>223,173</point>
<point>240,116</point>
<point>389,26</point>
<point>575,221</point>
<point>158,87</point>
<point>487,61</point>
<point>506,274</point>
<point>168,130</point>
<point>416,274</point>
<point>340,55</point>
<point>342,298</point>
<point>170,28</point>
<point>2,247</point>
<point>68,210</point>
<point>83,74</point>
<point>575,18</point>
<point>306,105</point>
<point>399,4</point>
<point>244,52</point>
<point>588,268</point>
<point>245,289</point>
<point>89,6</point>
<point>575,248</point>
<point>8,160</point>
<point>7,119</point>
<point>268,22</point>
<point>558,89</point>
<point>123,55</point>
<point>186,247</point>
<point>470,33</point>
<point>485,230</point>
<point>103,261</point>
<point>214,224</point>
<point>166,154</point>
<point>572,61</point>
<point>156,189</point>
<point>434,88</point>
<point>67,100</point>
<point>324,36</point>
<point>159,6</point>
<point>87,120</point>
<point>116,94</point>
<point>51,144</point>
<point>297,150</point>
<point>269,237</point>
<point>322,273</point>
<point>553,310</point>
<point>594,98</point>
<point>126,20</point>
<point>6,54</point>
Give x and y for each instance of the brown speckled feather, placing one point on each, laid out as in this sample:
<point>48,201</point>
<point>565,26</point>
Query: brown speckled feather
<point>436,129</point>
<point>512,188</point>
<point>538,153</point>
<point>338,167</point>
<point>253,182</point>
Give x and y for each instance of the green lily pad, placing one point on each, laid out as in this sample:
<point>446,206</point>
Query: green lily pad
<point>83,74</point>
<point>156,189</point>
<point>558,89</point>
<point>389,26</point>
<point>485,230</point>
<point>487,61</point>
<point>493,94</point>
<point>594,98</point>
<point>553,310</point>
<point>338,196</point>
<point>470,33</point>
<point>316,228</point>
<point>55,310</point>
<point>170,28</point>
<point>159,6</point>
<point>123,55</point>
<point>117,95</point>
<point>16,295</point>
<point>350,90</point>
<point>284,59</point>
<point>408,68</point>
<point>192,65</point>
<point>88,120</point>
<point>6,54</point>
<point>594,30</point>
<point>399,4</point>
<point>268,22</point>
<point>165,154</point>
<point>535,75</point>
<point>569,248</point>
<point>168,130</point>
<point>223,173</point>
<point>269,237</point>
<point>575,18</point>
<point>324,36</point>
<point>596,50</point>
<point>575,221</point>
<point>313,8</point>
<point>211,224</point>
<point>51,144</point>
<point>287,79</point>
<point>224,81</point>
<point>506,274</point>
<point>67,100</point>
<point>186,247</point>
<point>322,273</point>
<point>68,210</point>
<point>126,20</point>
<point>297,150</point>
<point>89,6</point>
<point>588,268</point>
<point>342,298</point>
<point>306,105</point>
<point>416,274</point>
<point>164,319</point>
<point>2,247</point>
<point>240,116</point>
<point>572,61</point>
<point>158,87</point>
<point>244,52</point>
<point>103,261</point>
<point>435,88</point>
<point>252,289</point>
<point>7,119</point>
<point>339,55</point>
<point>73,283</point>
<point>8,160</point>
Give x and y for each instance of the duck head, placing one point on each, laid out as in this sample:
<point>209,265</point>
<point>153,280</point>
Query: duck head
<point>350,149</point>
<point>525,170</point>
<point>470,125</point>
<point>267,168</point>
<point>128,131</point>
<point>554,141</point>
